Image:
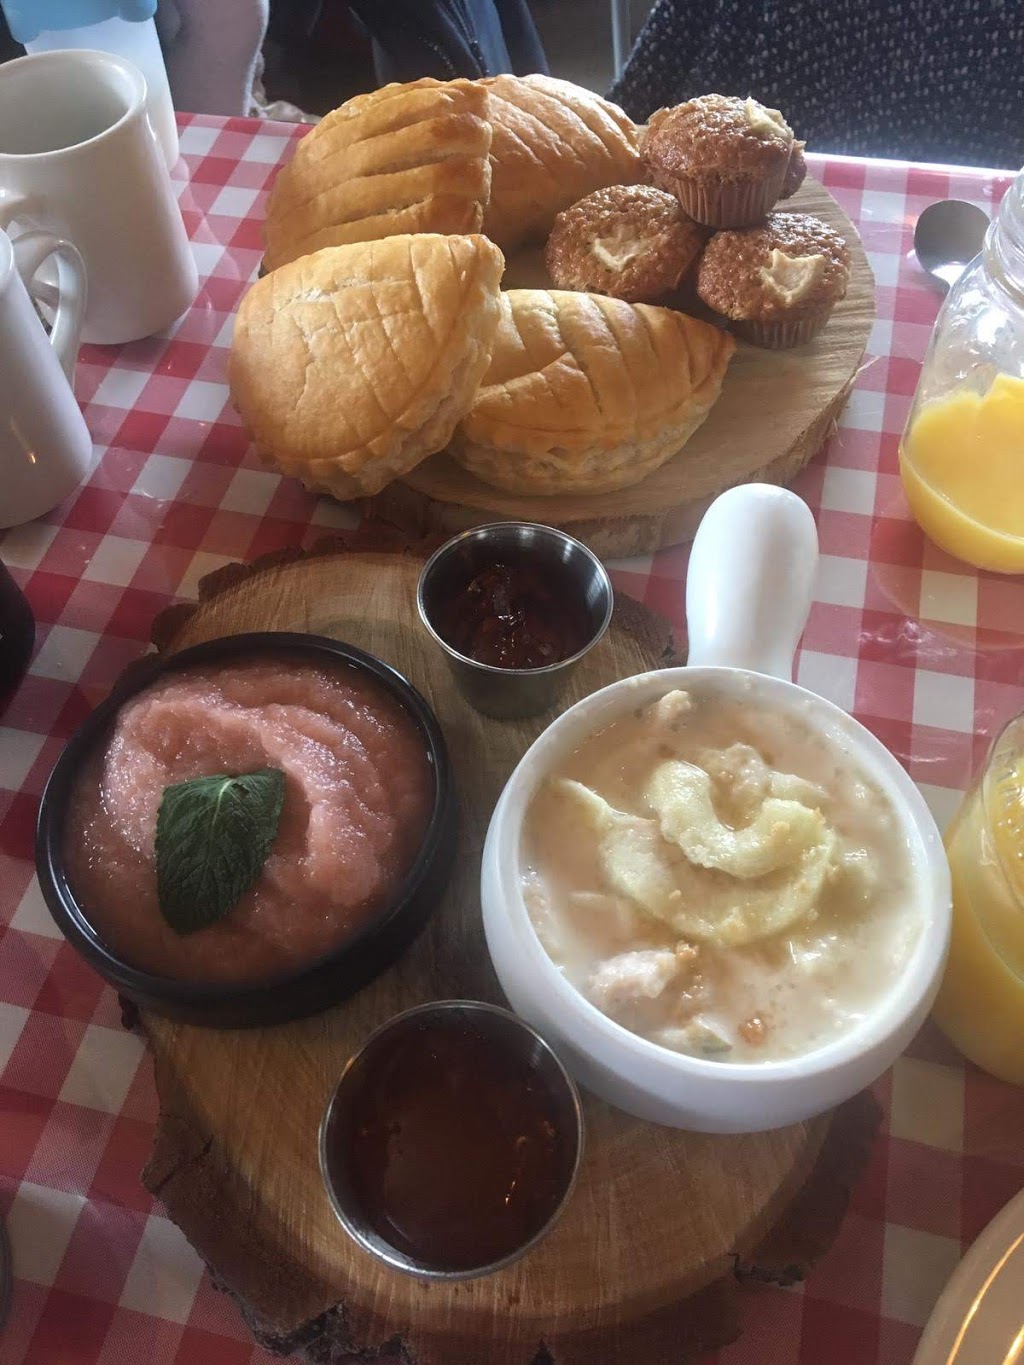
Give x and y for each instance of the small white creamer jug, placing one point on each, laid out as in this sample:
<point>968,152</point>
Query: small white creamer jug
<point>45,447</point>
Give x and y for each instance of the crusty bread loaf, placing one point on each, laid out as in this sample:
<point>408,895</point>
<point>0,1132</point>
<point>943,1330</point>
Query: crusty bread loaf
<point>553,143</point>
<point>351,365</point>
<point>588,394</point>
<point>405,158</point>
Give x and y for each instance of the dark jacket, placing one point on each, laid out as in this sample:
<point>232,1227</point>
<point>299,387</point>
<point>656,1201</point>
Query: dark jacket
<point>928,80</point>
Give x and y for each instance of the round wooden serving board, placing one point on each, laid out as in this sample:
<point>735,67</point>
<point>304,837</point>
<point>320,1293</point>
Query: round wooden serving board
<point>776,410</point>
<point>644,1263</point>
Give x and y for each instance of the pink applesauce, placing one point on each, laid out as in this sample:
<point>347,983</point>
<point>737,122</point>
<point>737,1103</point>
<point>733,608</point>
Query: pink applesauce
<point>358,795</point>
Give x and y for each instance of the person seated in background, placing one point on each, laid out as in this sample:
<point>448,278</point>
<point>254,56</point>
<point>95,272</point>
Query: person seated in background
<point>924,80</point>
<point>211,50</point>
<point>319,52</point>
<point>449,38</point>
<point>212,46</point>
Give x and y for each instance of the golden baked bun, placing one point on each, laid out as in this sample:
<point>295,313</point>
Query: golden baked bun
<point>553,143</point>
<point>351,365</point>
<point>587,393</point>
<point>406,158</point>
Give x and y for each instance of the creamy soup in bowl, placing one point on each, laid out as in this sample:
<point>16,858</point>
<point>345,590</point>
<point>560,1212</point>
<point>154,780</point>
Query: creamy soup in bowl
<point>718,878</point>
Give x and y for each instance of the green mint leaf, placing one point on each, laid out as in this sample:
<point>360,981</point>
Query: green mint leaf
<point>213,835</point>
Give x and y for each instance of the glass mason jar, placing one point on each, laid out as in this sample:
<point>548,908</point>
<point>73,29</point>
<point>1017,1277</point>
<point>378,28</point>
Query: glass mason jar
<point>980,1005</point>
<point>962,452</point>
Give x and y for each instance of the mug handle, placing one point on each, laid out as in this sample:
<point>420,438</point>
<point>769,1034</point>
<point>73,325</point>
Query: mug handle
<point>30,251</point>
<point>13,206</point>
<point>751,579</point>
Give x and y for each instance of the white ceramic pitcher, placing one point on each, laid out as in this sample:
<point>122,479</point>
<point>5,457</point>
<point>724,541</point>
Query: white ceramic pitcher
<point>45,447</point>
<point>78,158</point>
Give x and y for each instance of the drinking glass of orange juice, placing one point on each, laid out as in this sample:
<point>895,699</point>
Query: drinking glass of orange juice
<point>962,452</point>
<point>980,1005</point>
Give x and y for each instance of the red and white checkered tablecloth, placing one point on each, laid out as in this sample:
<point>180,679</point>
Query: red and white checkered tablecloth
<point>926,653</point>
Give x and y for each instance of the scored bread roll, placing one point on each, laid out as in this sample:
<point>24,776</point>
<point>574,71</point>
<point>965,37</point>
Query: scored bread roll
<point>351,365</point>
<point>586,393</point>
<point>553,143</point>
<point>405,158</point>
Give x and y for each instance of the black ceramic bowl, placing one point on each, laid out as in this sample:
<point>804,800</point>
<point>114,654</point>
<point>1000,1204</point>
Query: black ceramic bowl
<point>326,980</point>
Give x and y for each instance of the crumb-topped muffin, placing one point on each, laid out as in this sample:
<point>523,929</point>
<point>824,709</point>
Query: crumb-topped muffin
<point>725,159</point>
<point>776,284</point>
<point>796,172</point>
<point>630,241</point>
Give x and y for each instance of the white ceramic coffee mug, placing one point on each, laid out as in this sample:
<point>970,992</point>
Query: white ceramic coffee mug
<point>45,447</point>
<point>79,158</point>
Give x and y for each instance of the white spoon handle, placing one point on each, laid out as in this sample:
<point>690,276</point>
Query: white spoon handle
<point>750,580</point>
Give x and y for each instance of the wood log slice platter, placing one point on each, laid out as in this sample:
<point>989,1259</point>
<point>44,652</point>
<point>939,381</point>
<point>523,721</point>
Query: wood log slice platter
<point>776,410</point>
<point>646,1261</point>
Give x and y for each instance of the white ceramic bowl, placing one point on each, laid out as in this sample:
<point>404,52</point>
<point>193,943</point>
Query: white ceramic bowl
<point>750,580</point>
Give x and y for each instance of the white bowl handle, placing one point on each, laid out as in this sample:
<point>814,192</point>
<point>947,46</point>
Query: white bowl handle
<point>750,580</point>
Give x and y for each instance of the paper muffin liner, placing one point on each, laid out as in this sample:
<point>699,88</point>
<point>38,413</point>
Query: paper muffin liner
<point>728,203</point>
<point>781,335</point>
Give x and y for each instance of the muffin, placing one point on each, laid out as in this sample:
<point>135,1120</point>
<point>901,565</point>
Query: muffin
<point>630,241</point>
<point>725,159</point>
<point>796,172</point>
<point>776,284</point>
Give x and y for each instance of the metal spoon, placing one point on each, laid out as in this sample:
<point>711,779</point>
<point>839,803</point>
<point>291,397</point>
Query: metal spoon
<point>948,235</point>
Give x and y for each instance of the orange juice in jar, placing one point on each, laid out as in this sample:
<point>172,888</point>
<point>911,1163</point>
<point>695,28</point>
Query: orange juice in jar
<point>962,463</point>
<point>962,452</point>
<point>980,1005</point>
